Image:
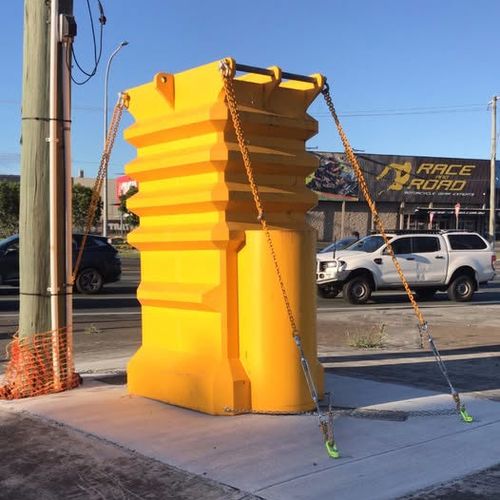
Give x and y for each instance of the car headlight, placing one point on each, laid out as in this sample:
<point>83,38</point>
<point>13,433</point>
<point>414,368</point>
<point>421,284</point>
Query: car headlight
<point>342,265</point>
<point>332,263</point>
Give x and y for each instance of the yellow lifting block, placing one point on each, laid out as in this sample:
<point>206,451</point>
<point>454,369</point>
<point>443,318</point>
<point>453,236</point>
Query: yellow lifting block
<point>215,331</point>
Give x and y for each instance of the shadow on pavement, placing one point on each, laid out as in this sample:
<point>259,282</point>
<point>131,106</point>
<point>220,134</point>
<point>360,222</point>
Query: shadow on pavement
<point>484,297</point>
<point>478,374</point>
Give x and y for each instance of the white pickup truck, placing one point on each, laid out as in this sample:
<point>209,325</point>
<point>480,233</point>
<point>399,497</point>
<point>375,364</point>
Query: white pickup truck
<point>453,261</point>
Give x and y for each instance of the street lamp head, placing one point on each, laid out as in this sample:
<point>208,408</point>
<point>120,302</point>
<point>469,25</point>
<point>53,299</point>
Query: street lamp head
<point>123,43</point>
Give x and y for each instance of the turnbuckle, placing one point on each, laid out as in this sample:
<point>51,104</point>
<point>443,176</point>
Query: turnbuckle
<point>466,417</point>
<point>330,445</point>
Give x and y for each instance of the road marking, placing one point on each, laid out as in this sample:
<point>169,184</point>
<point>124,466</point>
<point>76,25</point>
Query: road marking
<point>77,298</point>
<point>339,363</point>
<point>389,307</point>
<point>93,313</point>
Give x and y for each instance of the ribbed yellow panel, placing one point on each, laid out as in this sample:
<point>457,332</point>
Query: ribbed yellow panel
<point>215,333</point>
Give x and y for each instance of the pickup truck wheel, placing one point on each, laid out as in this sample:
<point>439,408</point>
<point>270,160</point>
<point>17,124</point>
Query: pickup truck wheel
<point>425,293</point>
<point>328,292</point>
<point>461,288</point>
<point>357,290</point>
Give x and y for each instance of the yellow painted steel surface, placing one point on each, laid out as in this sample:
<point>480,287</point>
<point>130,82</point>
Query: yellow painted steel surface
<point>215,332</point>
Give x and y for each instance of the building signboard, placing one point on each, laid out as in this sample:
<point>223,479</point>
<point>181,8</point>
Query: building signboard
<point>123,184</point>
<point>413,179</point>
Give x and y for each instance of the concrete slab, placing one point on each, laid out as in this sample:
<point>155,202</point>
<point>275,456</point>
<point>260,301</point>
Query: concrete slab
<point>283,456</point>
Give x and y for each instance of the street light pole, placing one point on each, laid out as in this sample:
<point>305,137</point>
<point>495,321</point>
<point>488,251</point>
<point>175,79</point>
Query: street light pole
<point>105,183</point>
<point>492,219</point>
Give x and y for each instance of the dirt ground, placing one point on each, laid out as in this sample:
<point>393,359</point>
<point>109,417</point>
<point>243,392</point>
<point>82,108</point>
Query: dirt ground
<point>384,345</point>
<point>46,461</point>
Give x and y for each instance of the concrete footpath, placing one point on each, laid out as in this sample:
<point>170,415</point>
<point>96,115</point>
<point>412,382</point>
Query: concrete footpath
<point>99,442</point>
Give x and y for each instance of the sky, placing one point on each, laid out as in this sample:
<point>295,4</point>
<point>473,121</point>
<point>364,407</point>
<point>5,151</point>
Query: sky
<point>408,77</point>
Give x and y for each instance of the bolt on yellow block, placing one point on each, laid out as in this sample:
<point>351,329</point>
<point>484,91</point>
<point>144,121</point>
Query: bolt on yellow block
<point>215,332</point>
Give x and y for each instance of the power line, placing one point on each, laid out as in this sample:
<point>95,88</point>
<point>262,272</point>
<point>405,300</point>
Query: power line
<point>465,108</point>
<point>470,108</point>
<point>97,54</point>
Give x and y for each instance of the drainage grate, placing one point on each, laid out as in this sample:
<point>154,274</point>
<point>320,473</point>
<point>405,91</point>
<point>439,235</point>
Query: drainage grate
<point>115,379</point>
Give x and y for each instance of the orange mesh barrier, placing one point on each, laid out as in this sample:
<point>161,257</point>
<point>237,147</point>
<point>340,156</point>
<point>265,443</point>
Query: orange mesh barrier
<point>42,364</point>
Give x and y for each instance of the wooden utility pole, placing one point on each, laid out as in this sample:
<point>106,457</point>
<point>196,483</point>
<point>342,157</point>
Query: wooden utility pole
<point>34,308</point>
<point>35,315</point>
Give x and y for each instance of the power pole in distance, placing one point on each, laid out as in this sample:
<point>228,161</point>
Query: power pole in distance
<point>492,218</point>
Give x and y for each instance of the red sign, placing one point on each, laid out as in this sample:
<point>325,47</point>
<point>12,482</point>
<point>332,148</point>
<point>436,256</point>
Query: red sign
<point>123,184</point>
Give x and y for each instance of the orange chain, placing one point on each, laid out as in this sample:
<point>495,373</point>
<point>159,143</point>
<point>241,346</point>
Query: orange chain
<point>103,167</point>
<point>376,218</point>
<point>233,109</point>
<point>325,421</point>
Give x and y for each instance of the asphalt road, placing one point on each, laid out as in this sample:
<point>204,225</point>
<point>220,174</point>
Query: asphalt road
<point>107,327</point>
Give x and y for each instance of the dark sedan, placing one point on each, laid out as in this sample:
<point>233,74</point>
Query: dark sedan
<point>100,263</point>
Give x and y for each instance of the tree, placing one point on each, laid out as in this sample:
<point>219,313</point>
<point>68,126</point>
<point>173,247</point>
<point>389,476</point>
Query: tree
<point>9,208</point>
<point>81,203</point>
<point>130,218</point>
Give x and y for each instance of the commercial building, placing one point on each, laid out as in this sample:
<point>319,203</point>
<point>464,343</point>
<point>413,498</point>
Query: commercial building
<point>410,192</point>
<point>116,187</point>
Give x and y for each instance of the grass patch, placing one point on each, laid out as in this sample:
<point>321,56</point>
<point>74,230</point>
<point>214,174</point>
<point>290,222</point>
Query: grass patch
<point>374,338</point>
<point>92,330</point>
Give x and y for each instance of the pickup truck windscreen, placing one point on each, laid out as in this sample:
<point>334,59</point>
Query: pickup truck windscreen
<point>368,244</point>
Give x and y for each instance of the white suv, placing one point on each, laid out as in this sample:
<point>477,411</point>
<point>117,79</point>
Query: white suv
<point>453,261</point>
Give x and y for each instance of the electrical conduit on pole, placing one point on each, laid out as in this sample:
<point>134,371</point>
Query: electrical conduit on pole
<point>53,245</point>
<point>66,82</point>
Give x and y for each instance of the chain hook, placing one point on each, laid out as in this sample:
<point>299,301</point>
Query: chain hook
<point>224,68</point>
<point>124,99</point>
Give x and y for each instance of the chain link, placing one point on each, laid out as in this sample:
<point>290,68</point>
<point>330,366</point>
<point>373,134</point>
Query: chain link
<point>367,413</point>
<point>423,327</point>
<point>325,421</point>
<point>371,204</point>
<point>121,104</point>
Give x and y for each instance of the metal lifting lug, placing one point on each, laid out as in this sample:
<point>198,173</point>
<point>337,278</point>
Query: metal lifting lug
<point>326,88</point>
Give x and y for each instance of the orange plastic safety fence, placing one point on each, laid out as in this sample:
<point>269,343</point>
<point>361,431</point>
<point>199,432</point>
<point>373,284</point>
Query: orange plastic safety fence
<point>39,365</point>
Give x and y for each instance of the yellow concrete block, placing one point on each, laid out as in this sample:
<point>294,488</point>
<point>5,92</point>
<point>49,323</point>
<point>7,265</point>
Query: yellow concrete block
<point>216,336</point>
